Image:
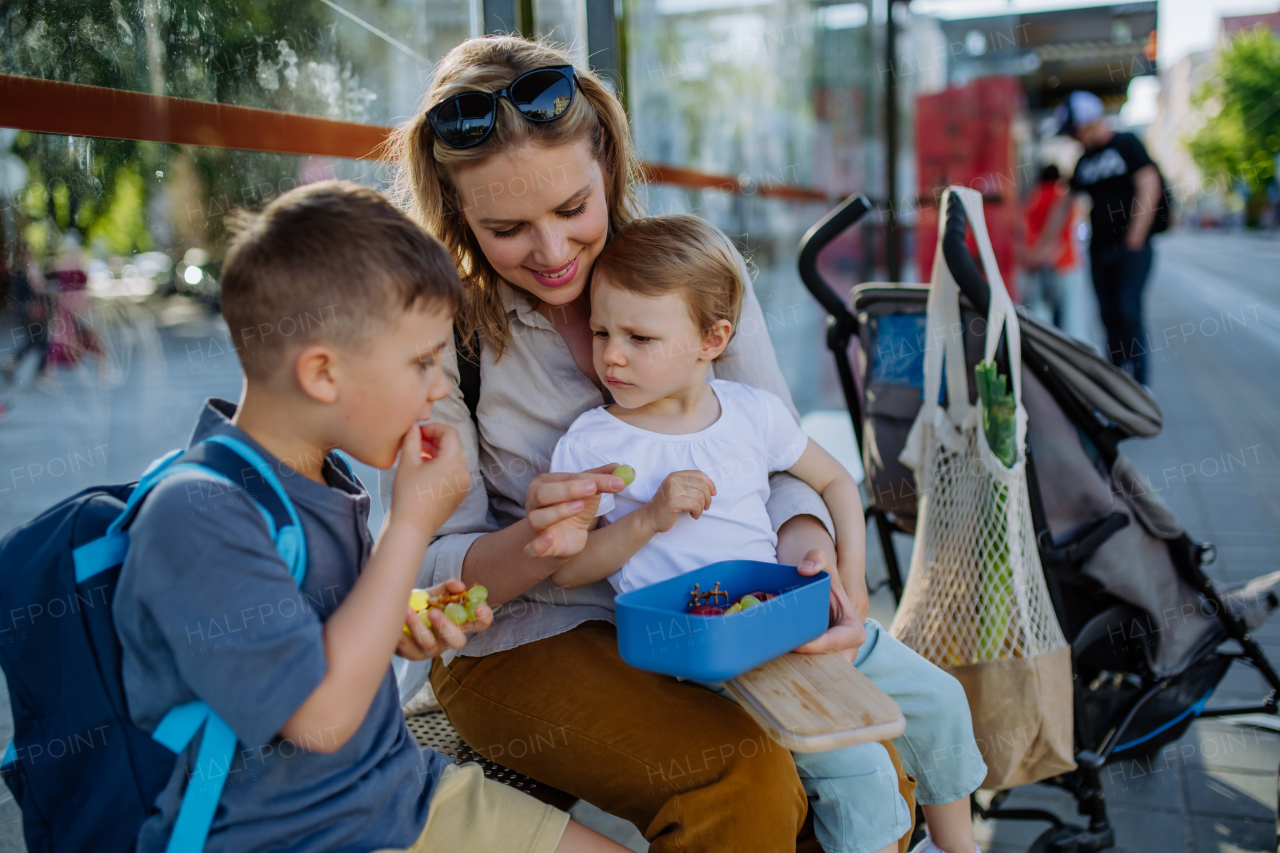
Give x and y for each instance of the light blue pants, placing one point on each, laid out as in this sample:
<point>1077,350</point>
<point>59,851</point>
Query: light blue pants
<point>854,791</point>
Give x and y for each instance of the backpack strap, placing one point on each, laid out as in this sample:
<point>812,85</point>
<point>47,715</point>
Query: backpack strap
<point>109,550</point>
<point>234,464</point>
<point>205,783</point>
<point>469,372</point>
<point>245,468</point>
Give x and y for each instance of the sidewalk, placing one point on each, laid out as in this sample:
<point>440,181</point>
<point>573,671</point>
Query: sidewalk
<point>1214,314</point>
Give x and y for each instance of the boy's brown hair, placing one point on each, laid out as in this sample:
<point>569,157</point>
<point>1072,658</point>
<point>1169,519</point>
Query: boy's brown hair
<point>678,253</point>
<point>330,261</point>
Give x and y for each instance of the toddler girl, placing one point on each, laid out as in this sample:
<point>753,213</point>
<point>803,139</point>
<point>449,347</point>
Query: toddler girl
<point>666,293</point>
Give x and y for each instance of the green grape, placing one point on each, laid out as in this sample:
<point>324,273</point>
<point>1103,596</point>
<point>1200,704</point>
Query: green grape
<point>477,593</point>
<point>626,472</point>
<point>736,608</point>
<point>456,613</point>
<point>748,601</point>
<point>472,607</point>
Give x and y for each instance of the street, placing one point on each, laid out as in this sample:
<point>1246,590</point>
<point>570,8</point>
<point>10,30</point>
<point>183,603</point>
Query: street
<point>1213,320</point>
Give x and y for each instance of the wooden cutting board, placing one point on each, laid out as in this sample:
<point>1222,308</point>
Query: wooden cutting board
<point>816,703</point>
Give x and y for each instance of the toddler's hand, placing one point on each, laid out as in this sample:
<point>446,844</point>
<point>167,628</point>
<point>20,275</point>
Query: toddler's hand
<point>429,485</point>
<point>683,491</point>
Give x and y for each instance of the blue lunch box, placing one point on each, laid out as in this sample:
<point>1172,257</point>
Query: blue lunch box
<point>657,633</point>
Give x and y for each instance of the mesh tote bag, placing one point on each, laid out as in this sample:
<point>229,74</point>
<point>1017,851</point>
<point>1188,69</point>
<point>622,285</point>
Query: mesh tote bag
<point>976,602</point>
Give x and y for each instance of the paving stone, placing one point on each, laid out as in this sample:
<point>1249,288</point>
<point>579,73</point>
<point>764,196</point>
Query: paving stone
<point>1232,835</point>
<point>1231,793</point>
<point>1215,745</point>
<point>1139,829</point>
<point>1154,783</point>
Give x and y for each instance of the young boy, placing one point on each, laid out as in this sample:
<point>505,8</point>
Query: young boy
<point>339,307</point>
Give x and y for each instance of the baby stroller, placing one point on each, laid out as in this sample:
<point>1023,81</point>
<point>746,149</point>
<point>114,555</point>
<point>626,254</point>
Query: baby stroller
<point>1151,636</point>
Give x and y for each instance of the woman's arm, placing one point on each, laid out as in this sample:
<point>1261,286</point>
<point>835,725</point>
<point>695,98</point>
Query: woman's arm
<point>559,508</point>
<point>607,550</point>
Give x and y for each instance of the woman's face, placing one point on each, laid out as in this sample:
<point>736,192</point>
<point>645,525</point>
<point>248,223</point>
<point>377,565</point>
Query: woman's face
<point>539,215</point>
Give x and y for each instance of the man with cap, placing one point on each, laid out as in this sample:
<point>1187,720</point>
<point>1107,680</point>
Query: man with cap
<point>1127,193</point>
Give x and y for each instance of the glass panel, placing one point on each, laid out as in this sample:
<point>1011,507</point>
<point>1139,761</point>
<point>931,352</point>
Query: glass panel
<point>110,255</point>
<point>782,93</point>
<point>564,22</point>
<point>355,60</point>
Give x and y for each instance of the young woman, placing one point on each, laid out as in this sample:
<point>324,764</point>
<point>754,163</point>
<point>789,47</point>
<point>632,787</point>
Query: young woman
<point>524,167</point>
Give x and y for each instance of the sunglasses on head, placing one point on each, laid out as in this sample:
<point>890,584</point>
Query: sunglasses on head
<point>543,94</point>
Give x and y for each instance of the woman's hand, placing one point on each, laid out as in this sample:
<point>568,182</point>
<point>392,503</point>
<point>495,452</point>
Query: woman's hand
<point>562,508</point>
<point>805,537</point>
<point>422,642</point>
<point>846,631</point>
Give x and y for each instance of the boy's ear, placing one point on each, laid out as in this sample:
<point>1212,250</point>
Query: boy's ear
<point>715,339</point>
<point>315,369</point>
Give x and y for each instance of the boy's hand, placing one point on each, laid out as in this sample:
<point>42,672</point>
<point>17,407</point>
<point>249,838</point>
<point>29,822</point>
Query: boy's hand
<point>683,491</point>
<point>846,632</point>
<point>429,486</point>
<point>562,508</point>
<point>422,642</point>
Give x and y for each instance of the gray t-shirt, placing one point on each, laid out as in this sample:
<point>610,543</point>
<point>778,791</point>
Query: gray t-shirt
<point>206,609</point>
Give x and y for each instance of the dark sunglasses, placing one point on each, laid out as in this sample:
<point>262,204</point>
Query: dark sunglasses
<point>543,94</point>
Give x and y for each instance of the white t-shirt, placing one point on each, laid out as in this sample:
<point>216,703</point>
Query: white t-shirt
<point>754,436</point>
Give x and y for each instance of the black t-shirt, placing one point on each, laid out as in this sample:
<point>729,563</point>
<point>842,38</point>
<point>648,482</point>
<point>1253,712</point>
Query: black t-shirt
<point>1106,174</point>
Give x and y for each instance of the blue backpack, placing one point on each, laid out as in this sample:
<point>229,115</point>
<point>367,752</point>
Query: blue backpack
<point>85,776</point>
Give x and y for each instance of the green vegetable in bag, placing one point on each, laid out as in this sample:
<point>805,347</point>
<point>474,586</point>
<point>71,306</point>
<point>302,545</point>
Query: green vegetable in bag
<point>999,423</point>
<point>999,420</point>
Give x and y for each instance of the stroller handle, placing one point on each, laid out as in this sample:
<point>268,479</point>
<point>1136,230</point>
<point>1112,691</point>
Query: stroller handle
<point>956,254</point>
<point>818,238</point>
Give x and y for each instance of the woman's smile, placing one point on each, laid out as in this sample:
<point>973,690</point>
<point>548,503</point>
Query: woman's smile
<point>556,277</point>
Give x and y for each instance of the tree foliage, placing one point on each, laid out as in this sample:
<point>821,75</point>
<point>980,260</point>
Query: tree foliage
<point>1241,138</point>
<point>286,55</point>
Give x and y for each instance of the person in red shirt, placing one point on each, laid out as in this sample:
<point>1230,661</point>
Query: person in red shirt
<point>1044,290</point>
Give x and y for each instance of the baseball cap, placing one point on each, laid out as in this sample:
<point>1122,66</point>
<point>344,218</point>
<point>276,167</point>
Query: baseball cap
<point>1079,108</point>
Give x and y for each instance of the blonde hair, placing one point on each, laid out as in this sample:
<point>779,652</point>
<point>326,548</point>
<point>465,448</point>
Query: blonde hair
<point>423,183</point>
<point>683,254</point>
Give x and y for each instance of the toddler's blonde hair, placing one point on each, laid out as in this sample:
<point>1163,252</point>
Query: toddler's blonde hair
<point>678,253</point>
